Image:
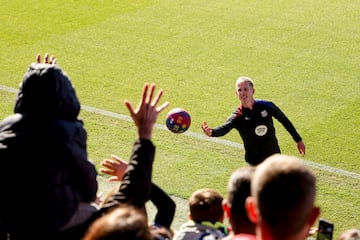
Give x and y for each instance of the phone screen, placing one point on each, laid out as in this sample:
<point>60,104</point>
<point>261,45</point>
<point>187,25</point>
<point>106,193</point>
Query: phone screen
<point>325,230</point>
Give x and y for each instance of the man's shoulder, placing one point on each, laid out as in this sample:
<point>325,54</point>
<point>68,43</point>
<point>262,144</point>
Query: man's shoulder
<point>263,102</point>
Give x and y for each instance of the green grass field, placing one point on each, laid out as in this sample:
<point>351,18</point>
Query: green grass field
<point>303,55</point>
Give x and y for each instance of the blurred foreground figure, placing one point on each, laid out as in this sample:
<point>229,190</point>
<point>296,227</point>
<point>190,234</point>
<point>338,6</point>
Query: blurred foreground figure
<point>283,191</point>
<point>47,182</point>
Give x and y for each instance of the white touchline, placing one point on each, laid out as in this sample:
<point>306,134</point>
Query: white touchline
<point>203,137</point>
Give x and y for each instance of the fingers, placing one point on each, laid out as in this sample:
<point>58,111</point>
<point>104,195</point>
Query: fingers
<point>47,59</point>
<point>147,102</point>
<point>114,179</point>
<point>150,96</point>
<point>302,153</point>
<point>52,60</point>
<point>130,108</point>
<point>147,111</point>
<point>108,165</point>
<point>107,171</point>
<point>38,58</point>
<point>118,160</point>
<point>206,129</point>
<point>156,101</point>
<point>162,107</point>
<point>157,98</point>
<point>144,94</point>
<point>301,148</point>
<point>204,126</point>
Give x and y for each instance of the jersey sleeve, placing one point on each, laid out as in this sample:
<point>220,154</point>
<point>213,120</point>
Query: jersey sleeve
<point>227,126</point>
<point>283,119</point>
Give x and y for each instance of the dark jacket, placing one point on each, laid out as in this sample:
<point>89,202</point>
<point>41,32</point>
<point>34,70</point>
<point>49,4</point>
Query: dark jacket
<point>136,189</point>
<point>43,155</point>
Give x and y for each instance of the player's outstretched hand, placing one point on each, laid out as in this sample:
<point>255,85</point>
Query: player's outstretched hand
<point>206,129</point>
<point>115,167</point>
<point>147,111</point>
<point>47,59</point>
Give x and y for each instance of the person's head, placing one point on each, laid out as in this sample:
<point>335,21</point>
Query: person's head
<point>283,193</point>
<point>206,205</point>
<point>123,222</point>
<point>245,91</point>
<point>239,188</point>
<point>47,91</point>
<point>351,234</point>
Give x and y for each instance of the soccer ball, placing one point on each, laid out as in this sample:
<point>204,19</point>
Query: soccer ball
<point>178,120</point>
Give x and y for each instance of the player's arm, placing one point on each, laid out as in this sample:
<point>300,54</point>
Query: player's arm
<point>226,127</point>
<point>281,117</point>
<point>223,129</point>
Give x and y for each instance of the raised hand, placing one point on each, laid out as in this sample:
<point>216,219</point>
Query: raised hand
<point>47,59</point>
<point>147,111</point>
<point>115,167</point>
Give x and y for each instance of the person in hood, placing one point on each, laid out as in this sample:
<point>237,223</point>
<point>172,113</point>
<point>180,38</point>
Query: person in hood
<point>48,184</point>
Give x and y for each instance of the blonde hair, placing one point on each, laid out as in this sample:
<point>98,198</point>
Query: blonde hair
<point>244,79</point>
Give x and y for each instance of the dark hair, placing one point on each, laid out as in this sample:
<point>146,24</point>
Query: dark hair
<point>206,205</point>
<point>122,222</point>
<point>239,188</point>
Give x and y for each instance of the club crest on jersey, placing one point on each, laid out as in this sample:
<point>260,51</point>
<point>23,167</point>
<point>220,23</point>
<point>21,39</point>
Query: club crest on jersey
<point>264,113</point>
<point>261,130</point>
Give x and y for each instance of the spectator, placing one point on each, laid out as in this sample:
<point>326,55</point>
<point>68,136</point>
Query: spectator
<point>351,234</point>
<point>206,217</point>
<point>126,222</point>
<point>115,167</point>
<point>253,119</point>
<point>282,199</point>
<point>48,175</point>
<point>234,205</point>
<point>127,206</point>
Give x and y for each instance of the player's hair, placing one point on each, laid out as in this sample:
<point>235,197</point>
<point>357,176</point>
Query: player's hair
<point>244,79</point>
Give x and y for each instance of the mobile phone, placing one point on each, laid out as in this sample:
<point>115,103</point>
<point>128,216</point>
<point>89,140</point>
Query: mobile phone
<point>325,230</point>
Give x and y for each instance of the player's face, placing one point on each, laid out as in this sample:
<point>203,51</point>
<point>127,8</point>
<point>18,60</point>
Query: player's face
<point>245,92</point>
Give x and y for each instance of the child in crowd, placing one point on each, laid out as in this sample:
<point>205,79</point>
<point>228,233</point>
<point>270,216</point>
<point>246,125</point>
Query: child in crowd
<point>206,217</point>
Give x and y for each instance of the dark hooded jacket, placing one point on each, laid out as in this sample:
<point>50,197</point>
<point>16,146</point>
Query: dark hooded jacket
<point>43,157</point>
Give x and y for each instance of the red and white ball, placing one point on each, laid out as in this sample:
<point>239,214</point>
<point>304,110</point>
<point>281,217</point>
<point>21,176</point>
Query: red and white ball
<point>178,120</point>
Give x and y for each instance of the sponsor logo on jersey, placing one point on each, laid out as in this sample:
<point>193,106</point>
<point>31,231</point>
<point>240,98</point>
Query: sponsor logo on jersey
<point>264,113</point>
<point>261,130</point>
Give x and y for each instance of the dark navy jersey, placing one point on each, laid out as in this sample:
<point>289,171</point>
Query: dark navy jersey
<point>256,128</point>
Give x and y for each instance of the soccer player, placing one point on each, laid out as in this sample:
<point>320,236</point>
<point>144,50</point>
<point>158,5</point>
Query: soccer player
<point>253,119</point>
